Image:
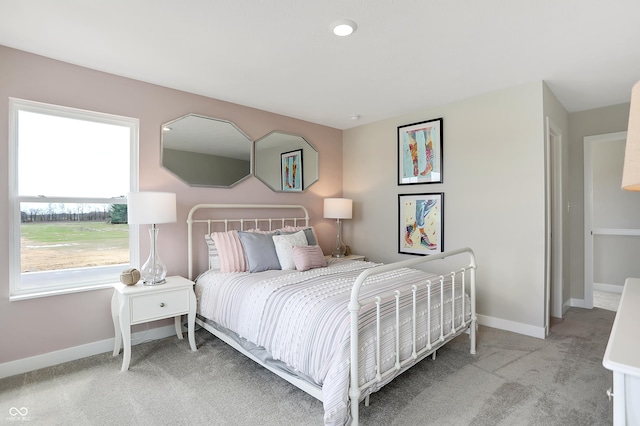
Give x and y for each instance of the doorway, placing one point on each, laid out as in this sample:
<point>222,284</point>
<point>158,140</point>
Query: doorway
<point>611,222</point>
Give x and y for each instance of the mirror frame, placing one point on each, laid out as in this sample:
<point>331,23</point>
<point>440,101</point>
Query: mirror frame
<point>306,183</point>
<point>221,121</point>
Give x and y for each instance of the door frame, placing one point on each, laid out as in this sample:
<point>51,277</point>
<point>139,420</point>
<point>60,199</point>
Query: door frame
<point>589,142</point>
<point>554,223</point>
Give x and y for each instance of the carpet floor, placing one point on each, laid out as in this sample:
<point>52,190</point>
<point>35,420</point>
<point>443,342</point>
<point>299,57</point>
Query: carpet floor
<point>513,380</point>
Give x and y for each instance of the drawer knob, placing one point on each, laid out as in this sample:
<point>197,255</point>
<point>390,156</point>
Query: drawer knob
<point>162,305</point>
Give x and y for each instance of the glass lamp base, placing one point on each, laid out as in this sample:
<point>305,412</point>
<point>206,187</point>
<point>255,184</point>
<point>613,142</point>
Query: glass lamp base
<point>153,282</point>
<point>339,248</point>
<point>154,271</point>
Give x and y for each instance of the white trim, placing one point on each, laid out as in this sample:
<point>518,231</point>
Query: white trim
<point>608,288</point>
<point>36,362</point>
<point>554,222</point>
<point>579,303</point>
<point>16,290</point>
<point>58,292</point>
<point>516,327</point>
<point>615,231</point>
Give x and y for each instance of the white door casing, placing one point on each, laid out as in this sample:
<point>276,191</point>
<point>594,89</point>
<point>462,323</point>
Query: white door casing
<point>611,220</point>
<point>555,222</point>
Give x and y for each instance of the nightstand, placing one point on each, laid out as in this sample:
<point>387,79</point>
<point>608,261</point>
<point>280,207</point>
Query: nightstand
<point>136,304</point>
<point>348,257</point>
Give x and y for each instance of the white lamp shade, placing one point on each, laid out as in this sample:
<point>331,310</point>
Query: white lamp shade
<point>631,170</point>
<point>151,207</point>
<point>338,208</point>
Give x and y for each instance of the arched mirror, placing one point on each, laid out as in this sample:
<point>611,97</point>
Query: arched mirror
<point>285,162</point>
<point>205,151</point>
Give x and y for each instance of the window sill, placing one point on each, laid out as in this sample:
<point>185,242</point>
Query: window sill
<point>58,292</point>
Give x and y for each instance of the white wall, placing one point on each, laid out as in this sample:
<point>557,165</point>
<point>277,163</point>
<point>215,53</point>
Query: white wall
<point>494,196</point>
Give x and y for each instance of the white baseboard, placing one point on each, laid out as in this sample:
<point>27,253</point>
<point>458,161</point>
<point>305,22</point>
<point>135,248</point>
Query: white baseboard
<point>516,327</point>
<point>25,365</point>
<point>577,303</point>
<point>609,288</point>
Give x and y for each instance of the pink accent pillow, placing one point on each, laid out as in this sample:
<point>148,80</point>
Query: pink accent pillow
<point>308,257</point>
<point>230,251</point>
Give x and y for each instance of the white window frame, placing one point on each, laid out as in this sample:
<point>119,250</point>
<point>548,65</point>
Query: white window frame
<point>16,292</point>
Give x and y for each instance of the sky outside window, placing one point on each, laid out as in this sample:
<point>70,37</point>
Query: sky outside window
<point>66,157</point>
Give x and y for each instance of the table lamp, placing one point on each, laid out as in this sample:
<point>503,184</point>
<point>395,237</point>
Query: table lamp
<point>152,208</point>
<point>338,208</point>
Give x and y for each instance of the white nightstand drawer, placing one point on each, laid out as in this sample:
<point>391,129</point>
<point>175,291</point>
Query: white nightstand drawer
<point>161,305</point>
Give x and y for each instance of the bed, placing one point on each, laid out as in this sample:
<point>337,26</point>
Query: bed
<point>337,329</point>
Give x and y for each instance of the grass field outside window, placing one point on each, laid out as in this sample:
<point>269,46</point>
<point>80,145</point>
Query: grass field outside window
<point>49,246</point>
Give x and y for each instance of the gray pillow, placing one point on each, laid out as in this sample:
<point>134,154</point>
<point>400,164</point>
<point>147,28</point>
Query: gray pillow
<point>259,250</point>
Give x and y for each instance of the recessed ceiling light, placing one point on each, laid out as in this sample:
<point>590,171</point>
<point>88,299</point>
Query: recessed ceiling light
<point>343,27</point>
<point>166,129</point>
<point>355,117</point>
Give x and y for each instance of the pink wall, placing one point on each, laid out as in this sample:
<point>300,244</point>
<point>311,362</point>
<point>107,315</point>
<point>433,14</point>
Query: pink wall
<point>38,326</point>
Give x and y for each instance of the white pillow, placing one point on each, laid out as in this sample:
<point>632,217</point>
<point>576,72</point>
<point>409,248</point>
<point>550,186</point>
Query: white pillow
<point>284,247</point>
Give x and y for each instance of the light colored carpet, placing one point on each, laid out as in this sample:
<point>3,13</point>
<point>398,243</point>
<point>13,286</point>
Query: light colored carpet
<point>513,380</point>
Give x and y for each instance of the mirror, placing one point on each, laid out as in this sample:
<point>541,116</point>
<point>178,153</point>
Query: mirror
<point>205,151</point>
<point>285,162</point>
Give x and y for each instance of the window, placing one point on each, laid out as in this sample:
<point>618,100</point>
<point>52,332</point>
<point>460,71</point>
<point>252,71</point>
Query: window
<point>69,173</point>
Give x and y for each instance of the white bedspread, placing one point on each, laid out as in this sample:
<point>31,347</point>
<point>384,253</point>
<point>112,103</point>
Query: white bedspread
<point>302,319</point>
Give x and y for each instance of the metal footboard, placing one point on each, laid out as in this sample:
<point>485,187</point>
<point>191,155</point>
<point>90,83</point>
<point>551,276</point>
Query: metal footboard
<point>460,277</point>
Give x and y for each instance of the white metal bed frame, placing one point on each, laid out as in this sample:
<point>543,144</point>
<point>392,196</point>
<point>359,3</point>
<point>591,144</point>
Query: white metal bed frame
<point>356,302</point>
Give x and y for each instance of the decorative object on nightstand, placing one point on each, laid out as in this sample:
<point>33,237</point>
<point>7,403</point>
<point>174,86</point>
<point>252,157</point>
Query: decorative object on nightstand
<point>338,208</point>
<point>152,208</point>
<point>136,304</point>
<point>130,276</point>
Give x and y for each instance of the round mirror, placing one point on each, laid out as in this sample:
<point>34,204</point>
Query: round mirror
<point>286,163</point>
<point>205,151</point>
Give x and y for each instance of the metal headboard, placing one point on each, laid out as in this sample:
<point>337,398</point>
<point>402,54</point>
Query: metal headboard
<point>273,223</point>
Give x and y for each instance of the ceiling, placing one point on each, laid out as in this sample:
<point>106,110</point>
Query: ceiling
<point>281,55</point>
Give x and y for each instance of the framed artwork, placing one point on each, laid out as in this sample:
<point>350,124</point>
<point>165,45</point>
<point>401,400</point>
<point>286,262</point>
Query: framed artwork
<point>421,223</point>
<point>420,152</point>
<point>291,170</point>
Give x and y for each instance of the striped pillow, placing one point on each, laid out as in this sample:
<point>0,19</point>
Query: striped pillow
<point>230,251</point>
<point>214,258</point>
